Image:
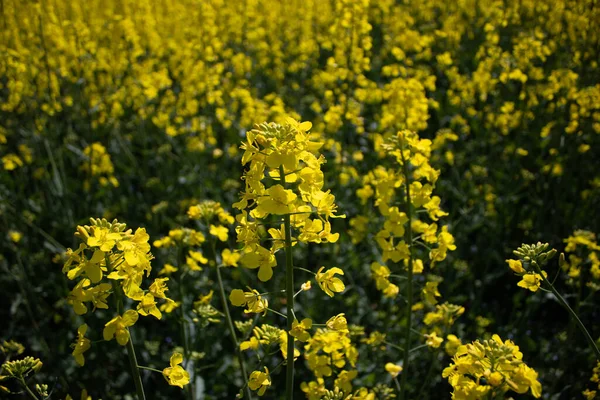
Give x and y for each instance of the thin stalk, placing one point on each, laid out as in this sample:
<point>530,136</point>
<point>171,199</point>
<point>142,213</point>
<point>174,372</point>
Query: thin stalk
<point>409,292</point>
<point>137,379</point>
<point>429,374</point>
<point>233,335</point>
<point>230,325</point>
<point>182,323</point>
<point>562,301</point>
<point>397,384</point>
<point>289,291</point>
<point>150,369</point>
<point>24,384</point>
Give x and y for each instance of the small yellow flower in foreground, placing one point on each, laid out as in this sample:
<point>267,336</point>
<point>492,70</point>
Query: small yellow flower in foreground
<point>118,327</point>
<point>306,286</point>
<point>516,266</point>
<point>532,281</point>
<point>393,369</point>
<point>81,345</point>
<point>338,323</point>
<point>175,374</point>
<point>259,381</point>
<point>328,282</point>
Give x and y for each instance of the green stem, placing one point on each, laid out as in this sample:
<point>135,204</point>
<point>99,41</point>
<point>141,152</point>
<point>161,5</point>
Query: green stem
<point>289,291</point>
<point>562,301</point>
<point>150,369</point>
<point>232,333</point>
<point>305,270</point>
<point>137,379</point>
<point>182,322</point>
<point>409,293</point>
<point>24,384</point>
<point>429,374</point>
<point>397,384</point>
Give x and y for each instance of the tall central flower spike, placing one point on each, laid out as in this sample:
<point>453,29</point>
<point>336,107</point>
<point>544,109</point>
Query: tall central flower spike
<point>272,150</point>
<point>283,189</point>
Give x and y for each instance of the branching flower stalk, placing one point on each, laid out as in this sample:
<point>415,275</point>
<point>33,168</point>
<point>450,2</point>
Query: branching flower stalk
<point>410,185</point>
<point>284,184</point>
<point>133,364</point>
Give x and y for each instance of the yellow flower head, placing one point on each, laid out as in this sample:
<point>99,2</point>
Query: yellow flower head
<point>259,381</point>
<point>81,345</point>
<point>118,327</point>
<point>338,323</point>
<point>147,306</point>
<point>252,299</point>
<point>15,236</point>
<point>516,266</point>
<point>299,329</point>
<point>393,369</point>
<point>175,374</point>
<point>532,281</point>
<point>328,282</point>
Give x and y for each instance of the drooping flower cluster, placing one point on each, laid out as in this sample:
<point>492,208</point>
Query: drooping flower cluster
<point>531,259</point>
<point>489,369</point>
<point>112,259</point>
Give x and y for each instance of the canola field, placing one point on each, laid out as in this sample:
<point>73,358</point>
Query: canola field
<point>284,199</point>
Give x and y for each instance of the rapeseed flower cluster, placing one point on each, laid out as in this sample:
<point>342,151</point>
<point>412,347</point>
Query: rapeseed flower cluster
<point>112,259</point>
<point>490,369</point>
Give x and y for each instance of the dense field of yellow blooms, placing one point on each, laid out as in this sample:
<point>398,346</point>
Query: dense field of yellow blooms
<point>317,199</point>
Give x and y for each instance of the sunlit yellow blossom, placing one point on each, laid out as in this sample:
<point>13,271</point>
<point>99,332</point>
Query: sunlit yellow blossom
<point>252,300</point>
<point>117,327</point>
<point>230,258</point>
<point>532,281</point>
<point>338,323</point>
<point>393,369</point>
<point>175,374</point>
<point>259,381</point>
<point>328,282</point>
<point>221,232</point>
<point>15,236</point>
<point>81,345</point>
<point>300,329</point>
